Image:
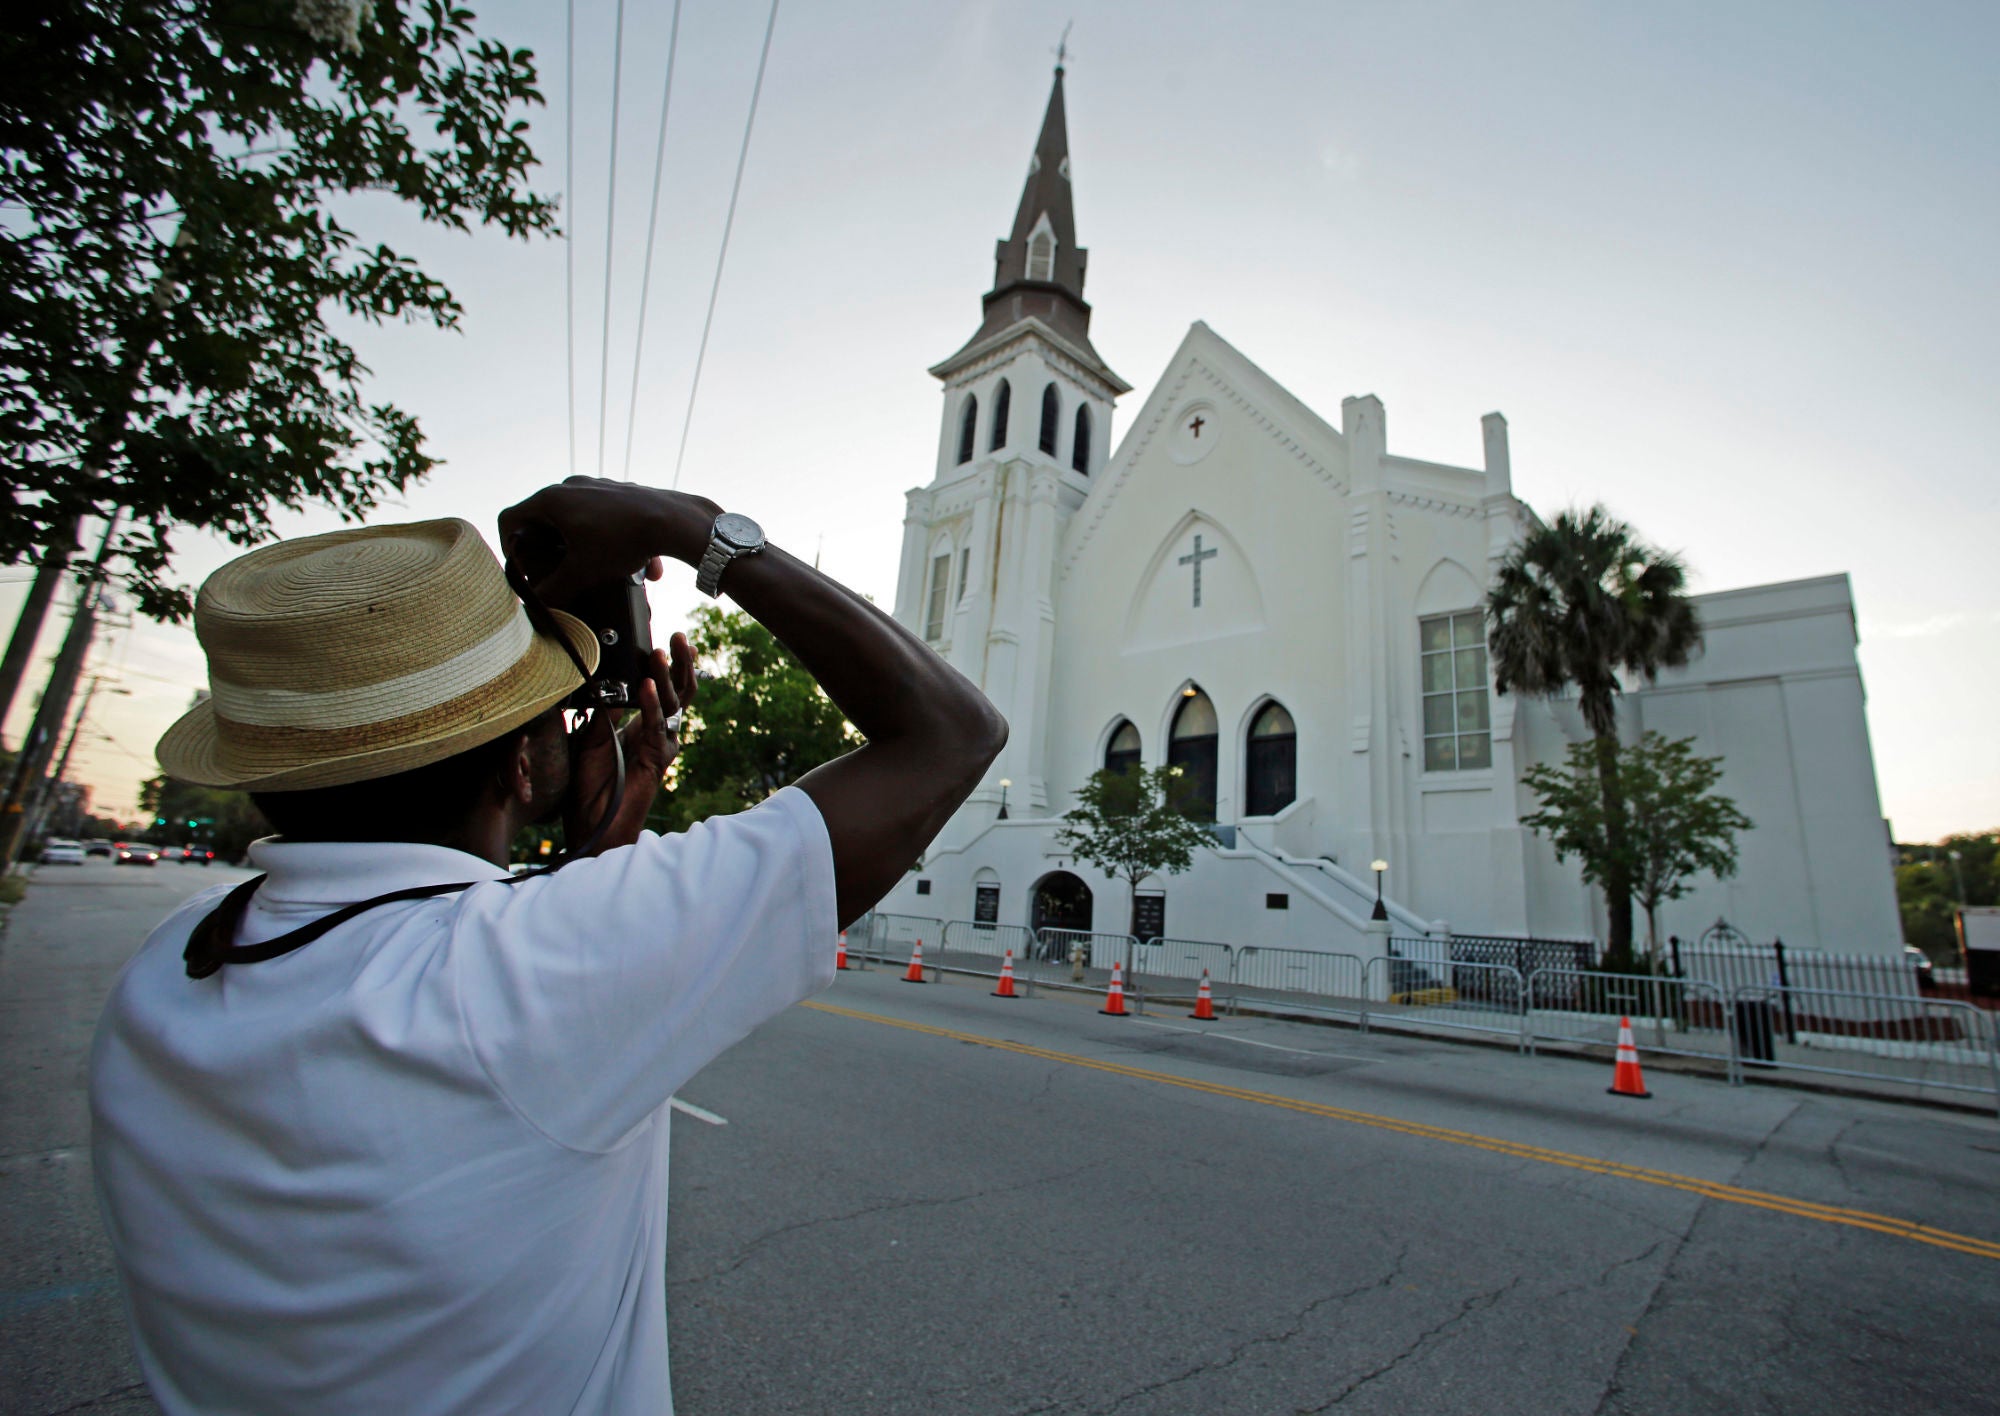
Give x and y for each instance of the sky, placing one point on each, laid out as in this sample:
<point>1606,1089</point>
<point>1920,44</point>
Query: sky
<point>1727,269</point>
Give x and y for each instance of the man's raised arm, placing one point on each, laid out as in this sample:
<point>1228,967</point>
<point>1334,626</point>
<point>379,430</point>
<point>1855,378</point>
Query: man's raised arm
<point>930,733</point>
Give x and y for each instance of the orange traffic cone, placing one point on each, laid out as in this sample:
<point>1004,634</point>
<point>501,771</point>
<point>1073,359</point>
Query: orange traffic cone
<point>915,972</point>
<point>1625,1078</point>
<point>1204,1001</point>
<point>1006,988</point>
<point>840,954</point>
<point>1114,999</point>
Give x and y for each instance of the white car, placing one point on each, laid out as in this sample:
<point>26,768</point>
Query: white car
<point>62,853</point>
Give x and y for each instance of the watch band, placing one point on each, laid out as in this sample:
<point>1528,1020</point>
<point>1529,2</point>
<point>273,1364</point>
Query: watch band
<point>716,559</point>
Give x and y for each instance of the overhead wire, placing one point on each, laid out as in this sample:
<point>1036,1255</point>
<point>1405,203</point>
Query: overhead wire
<point>610,231</point>
<point>569,222</point>
<point>728,224</point>
<point>652,227</point>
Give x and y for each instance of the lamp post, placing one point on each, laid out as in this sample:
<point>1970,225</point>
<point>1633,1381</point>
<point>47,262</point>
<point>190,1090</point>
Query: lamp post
<point>1004,784</point>
<point>1957,876</point>
<point>1381,910</point>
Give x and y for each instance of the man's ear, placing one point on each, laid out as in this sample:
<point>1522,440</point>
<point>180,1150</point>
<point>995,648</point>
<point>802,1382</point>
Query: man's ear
<point>519,777</point>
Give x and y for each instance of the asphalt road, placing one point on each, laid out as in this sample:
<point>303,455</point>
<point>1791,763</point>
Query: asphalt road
<point>926,1200</point>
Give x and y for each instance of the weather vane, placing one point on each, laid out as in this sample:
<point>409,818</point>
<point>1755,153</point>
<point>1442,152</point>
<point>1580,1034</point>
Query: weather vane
<point>1062,47</point>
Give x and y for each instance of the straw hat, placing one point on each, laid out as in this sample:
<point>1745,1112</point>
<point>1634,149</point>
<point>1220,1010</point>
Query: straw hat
<point>359,654</point>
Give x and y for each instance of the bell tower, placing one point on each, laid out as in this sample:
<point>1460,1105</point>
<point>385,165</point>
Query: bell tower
<point>1026,425</point>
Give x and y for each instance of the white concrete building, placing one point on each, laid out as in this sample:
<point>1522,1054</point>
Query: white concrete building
<point>1292,612</point>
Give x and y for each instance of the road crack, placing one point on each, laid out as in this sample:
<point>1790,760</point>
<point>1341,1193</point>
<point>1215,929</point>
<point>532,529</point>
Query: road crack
<point>749,1250</point>
<point>1242,1349</point>
<point>1477,1303</point>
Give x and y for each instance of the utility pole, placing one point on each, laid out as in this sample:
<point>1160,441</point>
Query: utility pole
<point>40,743</point>
<point>34,612</point>
<point>39,807</point>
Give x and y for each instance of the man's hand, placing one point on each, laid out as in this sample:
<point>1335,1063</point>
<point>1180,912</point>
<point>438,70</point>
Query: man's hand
<point>603,530</point>
<point>651,741</point>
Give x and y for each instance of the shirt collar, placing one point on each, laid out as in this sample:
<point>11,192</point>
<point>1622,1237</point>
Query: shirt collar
<point>340,872</point>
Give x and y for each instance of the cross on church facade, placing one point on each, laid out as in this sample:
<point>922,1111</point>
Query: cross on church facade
<point>1195,558</point>
<point>1194,424</point>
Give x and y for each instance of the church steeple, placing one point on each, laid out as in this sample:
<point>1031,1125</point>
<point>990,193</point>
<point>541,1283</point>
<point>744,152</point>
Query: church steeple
<point>1038,269</point>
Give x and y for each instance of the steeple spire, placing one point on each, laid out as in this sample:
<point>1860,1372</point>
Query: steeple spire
<point>1038,269</point>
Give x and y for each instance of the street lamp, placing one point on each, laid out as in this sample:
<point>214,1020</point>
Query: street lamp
<point>1381,910</point>
<point>1958,876</point>
<point>1004,784</point>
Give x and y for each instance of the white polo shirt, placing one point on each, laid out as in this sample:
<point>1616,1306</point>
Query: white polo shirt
<point>420,1164</point>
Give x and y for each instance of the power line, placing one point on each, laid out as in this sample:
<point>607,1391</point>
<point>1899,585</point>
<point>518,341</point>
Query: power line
<point>569,222</point>
<point>728,224</point>
<point>610,224</point>
<point>652,225</point>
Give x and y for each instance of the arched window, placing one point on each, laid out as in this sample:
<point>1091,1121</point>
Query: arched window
<point>1042,256</point>
<point>1272,762</point>
<point>1121,754</point>
<point>1191,747</point>
<point>1051,416</point>
<point>1079,455</point>
<point>968,424</point>
<point>1001,398</point>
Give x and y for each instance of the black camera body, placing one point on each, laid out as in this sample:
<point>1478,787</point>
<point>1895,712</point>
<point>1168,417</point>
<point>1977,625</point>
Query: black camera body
<point>618,614</point>
<point>615,610</point>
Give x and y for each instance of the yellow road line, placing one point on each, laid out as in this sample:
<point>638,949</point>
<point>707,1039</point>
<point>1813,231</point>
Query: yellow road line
<point>1711,1189</point>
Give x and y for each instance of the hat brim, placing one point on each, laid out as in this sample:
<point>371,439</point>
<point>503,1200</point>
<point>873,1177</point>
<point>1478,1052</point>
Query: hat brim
<point>192,749</point>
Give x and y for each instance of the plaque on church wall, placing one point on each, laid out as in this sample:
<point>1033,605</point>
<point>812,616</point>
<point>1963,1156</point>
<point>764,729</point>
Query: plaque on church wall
<point>986,904</point>
<point>1149,916</point>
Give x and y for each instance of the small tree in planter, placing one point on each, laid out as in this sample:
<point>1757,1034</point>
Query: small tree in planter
<point>1676,825</point>
<point>1131,824</point>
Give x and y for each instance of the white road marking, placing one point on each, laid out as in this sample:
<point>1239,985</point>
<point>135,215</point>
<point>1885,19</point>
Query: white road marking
<point>688,1108</point>
<point>1253,1042</point>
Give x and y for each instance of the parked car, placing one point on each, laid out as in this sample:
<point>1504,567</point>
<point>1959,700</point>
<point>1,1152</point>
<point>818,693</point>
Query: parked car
<point>100,848</point>
<point>59,852</point>
<point>1920,963</point>
<point>137,853</point>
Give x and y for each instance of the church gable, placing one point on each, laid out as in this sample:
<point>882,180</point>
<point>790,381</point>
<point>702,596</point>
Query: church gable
<point>1198,585</point>
<point>1213,408</point>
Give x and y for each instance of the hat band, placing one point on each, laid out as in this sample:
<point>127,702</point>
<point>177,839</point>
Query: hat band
<point>392,699</point>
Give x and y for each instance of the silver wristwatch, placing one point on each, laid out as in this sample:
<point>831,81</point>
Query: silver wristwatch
<point>730,537</point>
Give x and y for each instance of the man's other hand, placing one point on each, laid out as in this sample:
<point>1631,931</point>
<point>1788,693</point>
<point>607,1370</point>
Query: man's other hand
<point>651,741</point>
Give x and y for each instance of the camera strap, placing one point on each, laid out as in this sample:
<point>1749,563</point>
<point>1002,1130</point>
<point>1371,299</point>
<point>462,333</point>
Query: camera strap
<point>209,946</point>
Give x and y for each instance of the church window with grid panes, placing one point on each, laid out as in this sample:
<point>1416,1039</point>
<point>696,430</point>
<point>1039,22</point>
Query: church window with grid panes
<point>1458,728</point>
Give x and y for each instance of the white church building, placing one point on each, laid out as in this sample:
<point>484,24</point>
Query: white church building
<point>1291,612</point>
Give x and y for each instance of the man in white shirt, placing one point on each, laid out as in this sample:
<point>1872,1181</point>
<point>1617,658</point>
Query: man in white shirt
<point>412,1156</point>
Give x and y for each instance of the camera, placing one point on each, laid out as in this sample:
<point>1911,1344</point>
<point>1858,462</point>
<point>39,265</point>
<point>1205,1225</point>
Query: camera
<point>615,610</point>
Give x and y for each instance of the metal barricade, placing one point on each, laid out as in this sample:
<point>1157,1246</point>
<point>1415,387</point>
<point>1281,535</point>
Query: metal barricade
<point>891,937</point>
<point>1464,996</point>
<point>971,947</point>
<point>1100,951</point>
<point>1162,966</point>
<point>1921,1043</point>
<point>1684,1017</point>
<point>1307,980</point>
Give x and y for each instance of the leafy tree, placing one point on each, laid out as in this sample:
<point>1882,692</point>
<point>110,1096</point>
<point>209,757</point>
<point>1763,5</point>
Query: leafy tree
<point>1578,604</point>
<point>1133,823</point>
<point>758,723</point>
<point>1932,881</point>
<point>171,254</point>
<point>1676,825</point>
<point>181,814</point>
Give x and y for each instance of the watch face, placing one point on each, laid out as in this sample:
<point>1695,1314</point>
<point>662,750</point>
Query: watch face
<point>739,530</point>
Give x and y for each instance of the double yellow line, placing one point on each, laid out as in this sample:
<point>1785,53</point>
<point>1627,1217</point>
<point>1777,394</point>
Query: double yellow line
<point>1709,1189</point>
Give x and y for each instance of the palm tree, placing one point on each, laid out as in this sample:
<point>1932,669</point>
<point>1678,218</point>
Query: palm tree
<point>1578,604</point>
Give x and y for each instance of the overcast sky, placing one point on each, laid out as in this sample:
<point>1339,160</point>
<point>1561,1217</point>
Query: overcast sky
<point>1727,268</point>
